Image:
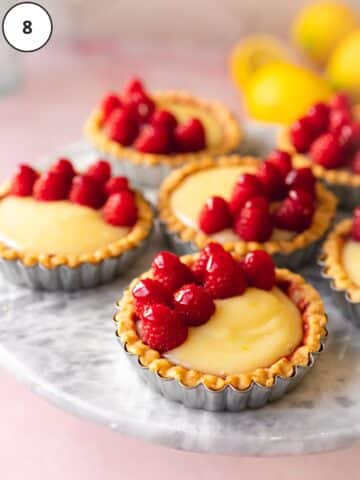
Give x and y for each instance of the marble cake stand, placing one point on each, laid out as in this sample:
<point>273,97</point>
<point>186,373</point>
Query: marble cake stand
<point>62,345</point>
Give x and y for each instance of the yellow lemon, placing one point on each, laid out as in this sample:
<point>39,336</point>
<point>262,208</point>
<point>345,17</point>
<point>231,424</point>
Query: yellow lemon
<point>252,53</point>
<point>320,26</point>
<point>343,69</point>
<point>282,92</point>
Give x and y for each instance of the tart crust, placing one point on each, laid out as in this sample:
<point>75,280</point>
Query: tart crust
<point>331,260</point>
<point>302,294</point>
<point>232,133</point>
<point>137,234</point>
<point>322,218</point>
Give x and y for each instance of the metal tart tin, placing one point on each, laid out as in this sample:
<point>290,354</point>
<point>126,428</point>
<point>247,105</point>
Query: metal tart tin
<point>86,275</point>
<point>292,261</point>
<point>229,398</point>
<point>349,197</point>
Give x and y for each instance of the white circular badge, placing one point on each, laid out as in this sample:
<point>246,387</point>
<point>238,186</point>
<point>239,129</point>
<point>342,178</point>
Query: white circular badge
<point>27,26</point>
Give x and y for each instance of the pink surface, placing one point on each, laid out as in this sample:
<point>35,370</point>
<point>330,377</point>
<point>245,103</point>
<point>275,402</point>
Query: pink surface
<point>37,440</point>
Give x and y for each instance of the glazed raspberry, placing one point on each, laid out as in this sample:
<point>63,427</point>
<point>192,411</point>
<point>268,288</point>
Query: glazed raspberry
<point>338,120</point>
<point>115,185</point>
<point>301,178</point>
<point>100,171</point>
<point>199,266</point>
<point>164,118</point>
<point>190,136</point>
<point>170,271</point>
<point>327,151</point>
<point>109,103</point>
<point>120,209</point>
<point>86,191</point>
<point>296,212</point>
<point>356,225</point>
<point>254,222</point>
<point>246,187</point>
<point>23,182</point>
<point>251,182</point>
<point>259,270</point>
<point>355,163</point>
<point>153,140</point>
<point>272,181</point>
<point>215,215</point>
<point>281,160</point>
<point>302,135</point>
<point>147,292</point>
<point>221,275</point>
<point>50,187</point>
<point>318,117</point>
<point>349,137</point>
<point>134,85</point>
<point>64,167</point>
<point>194,304</point>
<point>162,328</point>
<point>121,127</point>
<point>340,101</point>
<point>142,105</point>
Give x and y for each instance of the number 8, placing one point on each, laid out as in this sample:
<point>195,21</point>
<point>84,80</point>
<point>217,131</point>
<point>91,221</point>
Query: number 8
<point>27,27</point>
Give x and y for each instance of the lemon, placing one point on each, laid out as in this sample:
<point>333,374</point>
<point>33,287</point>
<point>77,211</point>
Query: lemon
<point>320,26</point>
<point>343,69</point>
<point>282,92</point>
<point>252,53</point>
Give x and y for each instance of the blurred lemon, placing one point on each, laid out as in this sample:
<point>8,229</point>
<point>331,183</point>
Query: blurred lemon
<point>343,69</point>
<point>320,26</point>
<point>282,92</point>
<point>252,53</point>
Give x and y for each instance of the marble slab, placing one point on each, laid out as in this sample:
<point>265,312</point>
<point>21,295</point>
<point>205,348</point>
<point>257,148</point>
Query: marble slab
<point>62,345</point>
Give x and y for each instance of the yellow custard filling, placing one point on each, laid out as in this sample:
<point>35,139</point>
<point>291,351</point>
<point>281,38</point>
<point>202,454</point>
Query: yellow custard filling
<point>61,227</point>
<point>190,196</point>
<point>246,332</point>
<point>351,260</point>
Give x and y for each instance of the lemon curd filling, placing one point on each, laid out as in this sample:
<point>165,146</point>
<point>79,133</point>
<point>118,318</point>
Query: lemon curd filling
<point>351,260</point>
<point>246,332</point>
<point>61,227</point>
<point>190,196</point>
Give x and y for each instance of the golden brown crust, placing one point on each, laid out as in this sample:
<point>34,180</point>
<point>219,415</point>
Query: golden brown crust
<point>321,222</point>
<point>232,133</point>
<point>331,260</point>
<point>137,234</point>
<point>303,295</point>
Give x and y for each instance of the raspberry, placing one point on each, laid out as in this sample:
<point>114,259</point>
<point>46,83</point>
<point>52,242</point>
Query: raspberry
<point>170,271</point>
<point>143,106</point>
<point>327,151</point>
<point>301,178</point>
<point>194,304</point>
<point>50,187</point>
<point>199,266</point>
<point>115,185</point>
<point>120,209</point>
<point>318,117</point>
<point>302,134</point>
<point>349,136</point>
<point>356,225</point>
<point>109,103</point>
<point>134,85</point>
<point>246,187</point>
<point>153,140</point>
<point>100,171</point>
<point>147,292</point>
<point>164,118</point>
<point>272,181</point>
<point>340,101</point>
<point>338,120</point>
<point>254,222</point>
<point>64,167</point>
<point>190,136</point>
<point>215,215</point>
<point>86,191</point>
<point>121,127</point>
<point>355,163</point>
<point>259,270</point>
<point>23,182</point>
<point>295,213</point>
<point>162,328</point>
<point>281,160</point>
<point>222,279</point>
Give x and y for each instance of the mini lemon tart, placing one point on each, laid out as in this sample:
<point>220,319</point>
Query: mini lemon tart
<point>185,192</point>
<point>340,262</point>
<point>239,351</point>
<point>59,230</point>
<point>148,160</point>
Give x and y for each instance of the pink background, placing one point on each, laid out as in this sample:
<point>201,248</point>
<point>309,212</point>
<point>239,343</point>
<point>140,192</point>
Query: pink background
<point>36,439</point>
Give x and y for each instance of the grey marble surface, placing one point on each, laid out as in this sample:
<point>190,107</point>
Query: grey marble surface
<point>62,345</point>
